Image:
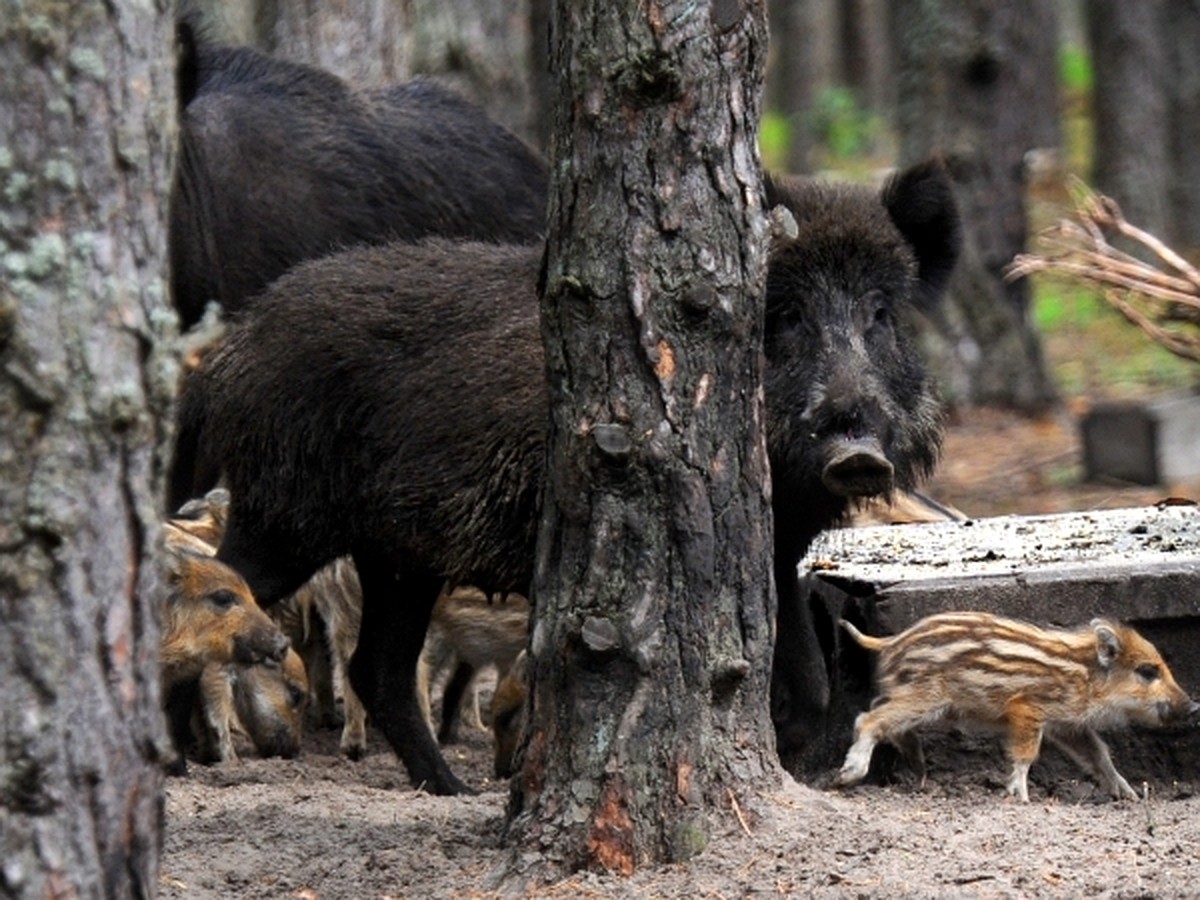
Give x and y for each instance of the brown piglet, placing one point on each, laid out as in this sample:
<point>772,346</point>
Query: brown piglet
<point>977,669</point>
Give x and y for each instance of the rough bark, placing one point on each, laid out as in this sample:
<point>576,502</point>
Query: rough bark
<point>651,647</point>
<point>977,87</point>
<point>86,100</point>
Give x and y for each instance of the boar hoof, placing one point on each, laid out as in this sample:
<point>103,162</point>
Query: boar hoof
<point>858,468</point>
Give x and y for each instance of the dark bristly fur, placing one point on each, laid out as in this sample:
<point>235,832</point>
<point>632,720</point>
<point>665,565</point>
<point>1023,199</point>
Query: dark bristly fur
<point>390,403</point>
<point>281,162</point>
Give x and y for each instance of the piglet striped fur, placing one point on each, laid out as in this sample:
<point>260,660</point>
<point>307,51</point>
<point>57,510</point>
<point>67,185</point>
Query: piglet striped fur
<point>976,669</point>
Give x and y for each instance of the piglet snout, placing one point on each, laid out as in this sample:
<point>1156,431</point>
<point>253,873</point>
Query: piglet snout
<point>857,467</point>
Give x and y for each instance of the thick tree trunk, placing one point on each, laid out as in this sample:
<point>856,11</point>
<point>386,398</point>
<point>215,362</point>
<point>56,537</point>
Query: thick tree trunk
<point>977,87</point>
<point>651,647</point>
<point>86,113</point>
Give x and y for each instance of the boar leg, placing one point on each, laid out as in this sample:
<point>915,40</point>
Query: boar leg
<point>216,699</point>
<point>383,669</point>
<point>1024,743</point>
<point>909,745</point>
<point>1088,749</point>
<point>889,721</point>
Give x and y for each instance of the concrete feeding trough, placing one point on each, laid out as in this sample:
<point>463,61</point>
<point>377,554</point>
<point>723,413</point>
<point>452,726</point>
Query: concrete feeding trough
<point>1152,442</point>
<point>1141,566</point>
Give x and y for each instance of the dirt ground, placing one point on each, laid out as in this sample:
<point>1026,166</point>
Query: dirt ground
<point>323,827</point>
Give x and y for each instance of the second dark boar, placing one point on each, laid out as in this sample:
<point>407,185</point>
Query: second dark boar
<point>281,162</point>
<point>390,404</point>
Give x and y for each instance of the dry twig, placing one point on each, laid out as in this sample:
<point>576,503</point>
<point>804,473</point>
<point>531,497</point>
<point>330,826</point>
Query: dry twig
<point>1160,296</point>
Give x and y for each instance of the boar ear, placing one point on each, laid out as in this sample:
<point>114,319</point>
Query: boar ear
<point>920,201</point>
<point>1108,642</point>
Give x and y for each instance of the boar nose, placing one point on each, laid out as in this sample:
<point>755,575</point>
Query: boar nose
<point>280,645</point>
<point>856,467</point>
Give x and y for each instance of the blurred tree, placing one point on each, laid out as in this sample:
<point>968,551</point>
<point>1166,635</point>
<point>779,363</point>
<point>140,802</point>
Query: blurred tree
<point>978,87</point>
<point>87,374</point>
<point>823,51</point>
<point>799,67</point>
<point>651,647</point>
<point>1131,156</point>
<point>480,47</point>
<point>1147,113</point>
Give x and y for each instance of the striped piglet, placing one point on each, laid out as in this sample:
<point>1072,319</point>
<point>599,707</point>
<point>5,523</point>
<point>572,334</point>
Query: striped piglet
<point>976,669</point>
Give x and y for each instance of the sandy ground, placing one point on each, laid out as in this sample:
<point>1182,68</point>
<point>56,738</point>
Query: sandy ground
<point>323,827</point>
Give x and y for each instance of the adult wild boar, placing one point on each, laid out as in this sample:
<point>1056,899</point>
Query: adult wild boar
<point>390,403</point>
<point>281,162</point>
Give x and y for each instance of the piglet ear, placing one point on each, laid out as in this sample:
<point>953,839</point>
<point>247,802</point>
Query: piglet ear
<point>1108,642</point>
<point>920,201</point>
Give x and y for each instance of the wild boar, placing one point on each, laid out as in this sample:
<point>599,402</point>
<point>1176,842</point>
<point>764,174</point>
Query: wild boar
<point>976,669</point>
<point>281,162</point>
<point>326,411</point>
<point>469,632</point>
<point>209,616</point>
<point>328,610</point>
<point>264,704</point>
<point>508,715</point>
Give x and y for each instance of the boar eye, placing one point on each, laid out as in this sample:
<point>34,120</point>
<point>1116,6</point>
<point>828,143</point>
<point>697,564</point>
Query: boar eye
<point>295,696</point>
<point>1148,672</point>
<point>877,305</point>
<point>223,599</point>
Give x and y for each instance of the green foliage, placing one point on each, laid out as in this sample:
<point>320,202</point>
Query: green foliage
<point>1075,69</point>
<point>774,138</point>
<point>1092,350</point>
<point>842,125</point>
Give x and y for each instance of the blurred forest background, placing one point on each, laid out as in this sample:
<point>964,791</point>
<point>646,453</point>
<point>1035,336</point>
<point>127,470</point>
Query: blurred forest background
<point>1018,97</point>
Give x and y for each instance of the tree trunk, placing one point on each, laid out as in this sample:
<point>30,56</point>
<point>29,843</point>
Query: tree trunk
<point>651,646</point>
<point>1131,160</point>
<point>86,380</point>
<point>978,87</point>
<point>1183,85</point>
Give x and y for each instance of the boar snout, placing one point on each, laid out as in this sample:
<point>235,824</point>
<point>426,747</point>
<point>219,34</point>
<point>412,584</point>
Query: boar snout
<point>260,645</point>
<point>857,468</point>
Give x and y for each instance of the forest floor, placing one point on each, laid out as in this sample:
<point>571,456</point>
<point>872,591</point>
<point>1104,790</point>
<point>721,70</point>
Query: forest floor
<point>323,827</point>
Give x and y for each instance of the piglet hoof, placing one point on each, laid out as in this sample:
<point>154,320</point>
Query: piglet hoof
<point>354,752</point>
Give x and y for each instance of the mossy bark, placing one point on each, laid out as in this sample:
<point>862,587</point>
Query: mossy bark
<point>654,605</point>
<point>87,375</point>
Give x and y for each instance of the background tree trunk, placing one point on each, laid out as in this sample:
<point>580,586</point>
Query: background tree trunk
<point>1131,158</point>
<point>651,646</point>
<point>87,112</point>
<point>977,85</point>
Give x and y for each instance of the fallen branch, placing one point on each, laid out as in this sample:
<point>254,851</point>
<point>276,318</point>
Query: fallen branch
<point>1160,295</point>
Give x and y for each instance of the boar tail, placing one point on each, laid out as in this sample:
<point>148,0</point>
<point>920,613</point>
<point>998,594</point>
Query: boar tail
<point>863,640</point>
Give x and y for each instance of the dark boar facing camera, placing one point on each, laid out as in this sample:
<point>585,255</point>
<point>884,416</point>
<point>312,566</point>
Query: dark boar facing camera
<point>390,403</point>
<point>851,411</point>
<point>281,162</point>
